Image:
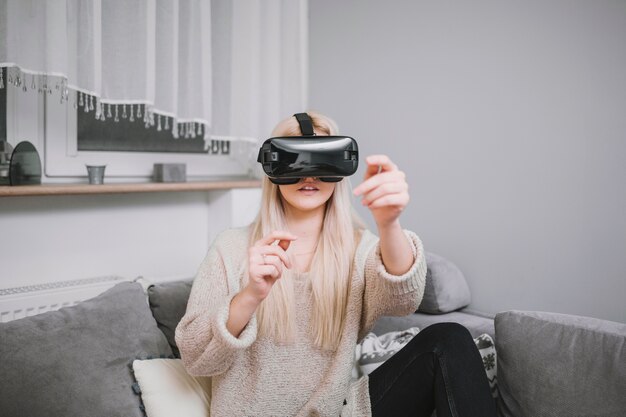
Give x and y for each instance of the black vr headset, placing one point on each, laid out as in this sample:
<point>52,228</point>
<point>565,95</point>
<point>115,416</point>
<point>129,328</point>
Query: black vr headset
<point>286,160</point>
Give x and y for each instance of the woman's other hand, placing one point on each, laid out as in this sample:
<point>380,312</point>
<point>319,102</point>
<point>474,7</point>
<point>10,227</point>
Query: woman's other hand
<point>265,262</point>
<point>384,190</point>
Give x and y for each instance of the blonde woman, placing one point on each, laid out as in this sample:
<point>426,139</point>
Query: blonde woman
<point>277,307</point>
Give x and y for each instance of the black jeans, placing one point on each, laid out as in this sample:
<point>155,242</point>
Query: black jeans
<point>439,369</point>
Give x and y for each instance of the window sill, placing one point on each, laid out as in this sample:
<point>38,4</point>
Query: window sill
<point>122,188</point>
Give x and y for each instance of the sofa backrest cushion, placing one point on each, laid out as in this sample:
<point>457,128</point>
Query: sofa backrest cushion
<point>553,364</point>
<point>446,288</point>
<point>77,361</point>
<point>168,302</point>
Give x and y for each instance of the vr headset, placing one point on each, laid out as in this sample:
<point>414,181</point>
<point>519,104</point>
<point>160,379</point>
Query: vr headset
<point>286,160</point>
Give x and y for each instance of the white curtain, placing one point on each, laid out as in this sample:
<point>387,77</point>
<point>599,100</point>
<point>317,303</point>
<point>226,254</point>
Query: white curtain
<point>236,67</point>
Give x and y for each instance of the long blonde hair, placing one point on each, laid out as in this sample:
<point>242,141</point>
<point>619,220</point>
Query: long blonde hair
<point>331,266</point>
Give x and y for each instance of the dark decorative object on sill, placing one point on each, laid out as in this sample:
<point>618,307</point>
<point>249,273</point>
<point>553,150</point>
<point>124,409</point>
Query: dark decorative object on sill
<point>170,173</point>
<point>24,166</point>
<point>5,161</point>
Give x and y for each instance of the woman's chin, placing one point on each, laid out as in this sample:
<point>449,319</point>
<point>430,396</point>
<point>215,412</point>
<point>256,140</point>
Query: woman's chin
<point>308,205</point>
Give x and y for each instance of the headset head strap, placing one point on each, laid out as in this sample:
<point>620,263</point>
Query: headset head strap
<point>306,124</point>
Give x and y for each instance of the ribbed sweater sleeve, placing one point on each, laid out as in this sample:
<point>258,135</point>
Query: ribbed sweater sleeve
<point>206,346</point>
<point>392,295</point>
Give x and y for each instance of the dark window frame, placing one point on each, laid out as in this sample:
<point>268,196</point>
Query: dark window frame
<point>3,106</point>
<point>118,133</point>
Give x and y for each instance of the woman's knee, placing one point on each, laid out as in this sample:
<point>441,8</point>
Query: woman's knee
<point>450,335</point>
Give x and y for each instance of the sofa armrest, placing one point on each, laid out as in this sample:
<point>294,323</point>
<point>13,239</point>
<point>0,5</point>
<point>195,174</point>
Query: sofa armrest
<point>560,365</point>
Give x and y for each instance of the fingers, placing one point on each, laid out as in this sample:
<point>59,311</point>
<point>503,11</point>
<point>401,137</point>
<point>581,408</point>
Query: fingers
<point>386,188</point>
<point>274,236</point>
<point>375,181</point>
<point>384,185</point>
<point>378,169</point>
<point>274,252</point>
<point>377,164</point>
<point>269,254</point>
<point>269,271</point>
<point>267,265</point>
<point>276,263</point>
<point>265,247</point>
<point>382,160</point>
<point>399,200</point>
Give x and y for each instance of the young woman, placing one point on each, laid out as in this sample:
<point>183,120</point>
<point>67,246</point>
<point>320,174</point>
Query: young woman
<point>277,307</point>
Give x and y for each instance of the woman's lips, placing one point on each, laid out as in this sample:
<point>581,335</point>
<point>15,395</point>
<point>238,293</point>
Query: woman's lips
<point>308,190</point>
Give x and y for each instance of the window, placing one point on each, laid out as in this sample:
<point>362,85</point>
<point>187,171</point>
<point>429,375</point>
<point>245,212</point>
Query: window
<point>212,62</point>
<point>75,138</point>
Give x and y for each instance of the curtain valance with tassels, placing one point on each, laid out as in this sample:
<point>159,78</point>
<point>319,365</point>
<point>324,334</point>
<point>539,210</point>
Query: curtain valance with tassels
<point>214,67</point>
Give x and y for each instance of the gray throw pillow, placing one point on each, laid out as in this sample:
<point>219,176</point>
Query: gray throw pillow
<point>553,365</point>
<point>168,302</point>
<point>77,361</point>
<point>446,289</point>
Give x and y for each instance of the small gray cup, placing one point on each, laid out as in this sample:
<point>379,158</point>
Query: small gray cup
<point>96,173</point>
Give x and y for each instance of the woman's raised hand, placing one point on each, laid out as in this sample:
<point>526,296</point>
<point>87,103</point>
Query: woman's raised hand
<point>265,262</point>
<point>384,190</point>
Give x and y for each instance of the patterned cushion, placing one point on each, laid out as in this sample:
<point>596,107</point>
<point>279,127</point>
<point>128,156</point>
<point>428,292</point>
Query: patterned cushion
<point>374,350</point>
<point>487,350</point>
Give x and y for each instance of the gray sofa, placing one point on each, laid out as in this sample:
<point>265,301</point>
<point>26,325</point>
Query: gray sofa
<point>548,364</point>
<point>77,361</point>
<point>445,297</point>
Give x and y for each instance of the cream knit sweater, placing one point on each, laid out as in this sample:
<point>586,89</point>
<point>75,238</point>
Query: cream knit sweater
<point>254,376</point>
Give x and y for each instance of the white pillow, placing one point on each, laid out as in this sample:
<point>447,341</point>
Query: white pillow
<point>168,390</point>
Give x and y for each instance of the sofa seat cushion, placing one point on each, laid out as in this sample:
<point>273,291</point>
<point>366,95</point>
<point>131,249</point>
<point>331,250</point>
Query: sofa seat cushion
<point>476,325</point>
<point>77,361</point>
<point>553,364</point>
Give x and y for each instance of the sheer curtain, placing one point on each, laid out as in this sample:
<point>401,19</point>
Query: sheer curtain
<point>231,68</point>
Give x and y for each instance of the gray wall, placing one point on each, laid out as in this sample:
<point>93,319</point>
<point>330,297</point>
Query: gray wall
<point>509,119</point>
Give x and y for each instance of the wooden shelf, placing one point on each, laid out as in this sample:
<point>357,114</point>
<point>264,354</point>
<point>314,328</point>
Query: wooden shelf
<point>121,188</point>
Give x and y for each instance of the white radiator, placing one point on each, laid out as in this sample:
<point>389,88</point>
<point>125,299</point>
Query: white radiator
<point>29,300</point>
